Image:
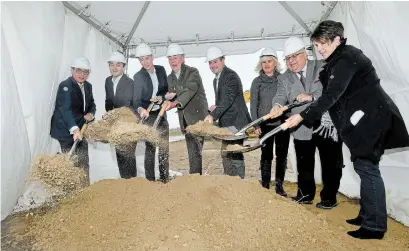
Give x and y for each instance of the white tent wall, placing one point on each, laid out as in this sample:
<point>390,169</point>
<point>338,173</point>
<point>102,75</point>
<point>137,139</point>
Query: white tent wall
<point>37,50</point>
<point>379,29</point>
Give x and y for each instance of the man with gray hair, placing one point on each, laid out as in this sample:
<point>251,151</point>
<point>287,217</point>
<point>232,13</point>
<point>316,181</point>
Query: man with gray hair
<point>188,96</point>
<point>299,83</point>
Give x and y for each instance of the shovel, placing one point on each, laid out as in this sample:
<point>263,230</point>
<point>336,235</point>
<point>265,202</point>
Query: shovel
<point>161,112</point>
<point>260,143</point>
<point>74,146</point>
<point>153,102</point>
<point>241,134</point>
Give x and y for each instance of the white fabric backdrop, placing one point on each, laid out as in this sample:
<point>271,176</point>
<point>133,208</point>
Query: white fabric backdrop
<point>39,42</point>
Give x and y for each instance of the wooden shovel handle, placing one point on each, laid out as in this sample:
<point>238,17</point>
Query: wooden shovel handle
<point>163,109</point>
<point>274,114</point>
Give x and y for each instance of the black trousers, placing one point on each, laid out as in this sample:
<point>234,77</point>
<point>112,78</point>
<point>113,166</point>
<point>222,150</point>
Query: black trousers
<point>233,163</point>
<point>331,166</point>
<point>150,151</point>
<point>282,140</point>
<point>194,150</point>
<point>127,162</point>
<point>81,151</point>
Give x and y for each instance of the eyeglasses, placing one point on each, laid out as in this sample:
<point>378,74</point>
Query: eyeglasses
<point>81,71</point>
<point>294,56</point>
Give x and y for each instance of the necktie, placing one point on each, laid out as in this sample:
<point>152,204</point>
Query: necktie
<point>83,94</point>
<point>302,78</point>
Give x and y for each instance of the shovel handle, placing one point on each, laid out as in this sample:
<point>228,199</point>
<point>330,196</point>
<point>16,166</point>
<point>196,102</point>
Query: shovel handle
<point>74,146</point>
<point>161,112</point>
<point>271,133</point>
<point>163,109</point>
<point>274,114</point>
<point>149,109</point>
<point>283,109</point>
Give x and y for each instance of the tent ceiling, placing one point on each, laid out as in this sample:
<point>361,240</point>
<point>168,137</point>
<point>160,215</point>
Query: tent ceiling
<point>205,22</point>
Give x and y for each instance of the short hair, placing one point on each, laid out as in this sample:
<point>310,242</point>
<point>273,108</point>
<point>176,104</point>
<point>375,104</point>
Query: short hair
<point>327,31</point>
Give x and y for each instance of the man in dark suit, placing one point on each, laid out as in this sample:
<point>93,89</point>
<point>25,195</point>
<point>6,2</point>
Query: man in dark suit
<point>150,82</point>
<point>186,88</point>
<point>74,107</point>
<point>119,93</point>
<point>230,108</point>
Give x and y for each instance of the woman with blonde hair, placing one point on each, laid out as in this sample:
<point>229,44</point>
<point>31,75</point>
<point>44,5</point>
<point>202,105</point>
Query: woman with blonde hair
<point>263,89</point>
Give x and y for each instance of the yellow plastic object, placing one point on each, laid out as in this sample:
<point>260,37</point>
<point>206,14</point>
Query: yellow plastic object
<point>251,132</point>
<point>246,95</point>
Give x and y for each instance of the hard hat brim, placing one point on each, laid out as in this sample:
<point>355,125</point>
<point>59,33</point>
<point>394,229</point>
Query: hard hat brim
<point>293,53</point>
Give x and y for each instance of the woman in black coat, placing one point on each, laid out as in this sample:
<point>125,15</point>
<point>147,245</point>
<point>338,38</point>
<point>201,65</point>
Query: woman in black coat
<point>366,117</point>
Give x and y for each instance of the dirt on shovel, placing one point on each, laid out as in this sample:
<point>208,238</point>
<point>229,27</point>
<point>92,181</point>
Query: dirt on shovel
<point>121,128</point>
<point>207,130</point>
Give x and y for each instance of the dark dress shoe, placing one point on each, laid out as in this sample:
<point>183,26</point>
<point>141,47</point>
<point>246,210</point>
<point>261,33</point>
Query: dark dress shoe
<point>365,234</point>
<point>356,221</point>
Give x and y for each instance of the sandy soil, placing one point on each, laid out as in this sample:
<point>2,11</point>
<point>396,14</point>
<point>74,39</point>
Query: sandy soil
<point>192,213</point>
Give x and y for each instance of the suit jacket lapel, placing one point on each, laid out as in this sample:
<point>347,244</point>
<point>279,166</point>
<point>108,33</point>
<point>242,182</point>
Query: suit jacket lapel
<point>160,80</point>
<point>215,90</point>
<point>78,90</point>
<point>149,84</point>
<point>111,87</point>
<point>219,85</point>
<point>310,72</point>
<point>119,85</point>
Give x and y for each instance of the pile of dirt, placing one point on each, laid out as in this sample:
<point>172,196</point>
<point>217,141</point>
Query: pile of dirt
<point>58,174</point>
<point>206,129</point>
<point>189,213</point>
<point>120,127</point>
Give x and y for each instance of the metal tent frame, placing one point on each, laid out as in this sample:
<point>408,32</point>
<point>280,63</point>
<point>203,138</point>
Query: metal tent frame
<point>126,46</point>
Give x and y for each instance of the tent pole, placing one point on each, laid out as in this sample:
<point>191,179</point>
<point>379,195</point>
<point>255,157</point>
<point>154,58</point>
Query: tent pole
<point>136,24</point>
<point>197,41</point>
<point>89,21</point>
<point>328,11</point>
<point>295,16</point>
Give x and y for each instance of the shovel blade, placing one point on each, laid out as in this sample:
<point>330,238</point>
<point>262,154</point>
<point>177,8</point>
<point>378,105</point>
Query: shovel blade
<point>245,149</point>
<point>230,137</point>
<point>232,129</point>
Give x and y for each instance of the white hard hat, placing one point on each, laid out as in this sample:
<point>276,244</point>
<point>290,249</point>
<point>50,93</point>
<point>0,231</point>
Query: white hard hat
<point>174,49</point>
<point>81,63</point>
<point>292,45</point>
<point>117,57</point>
<point>213,52</point>
<point>143,50</point>
<point>268,52</point>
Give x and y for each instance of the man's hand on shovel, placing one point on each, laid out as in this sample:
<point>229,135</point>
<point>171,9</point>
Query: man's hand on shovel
<point>209,119</point>
<point>143,113</point>
<point>77,135</point>
<point>171,105</point>
<point>293,121</point>
<point>89,117</point>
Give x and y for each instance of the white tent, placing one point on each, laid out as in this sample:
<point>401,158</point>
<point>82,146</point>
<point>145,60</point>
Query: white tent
<point>37,50</point>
